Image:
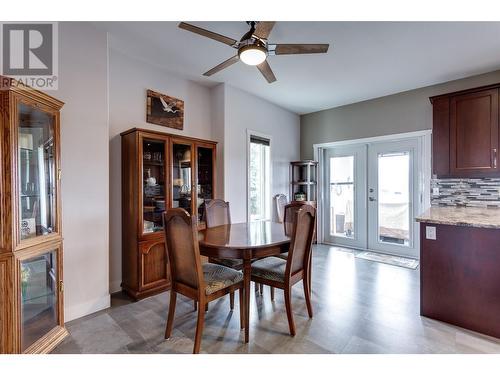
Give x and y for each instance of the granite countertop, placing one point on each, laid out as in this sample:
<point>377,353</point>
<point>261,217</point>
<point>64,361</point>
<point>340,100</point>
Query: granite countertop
<point>464,216</point>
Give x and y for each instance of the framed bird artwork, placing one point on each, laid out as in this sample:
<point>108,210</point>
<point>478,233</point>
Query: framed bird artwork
<point>164,110</point>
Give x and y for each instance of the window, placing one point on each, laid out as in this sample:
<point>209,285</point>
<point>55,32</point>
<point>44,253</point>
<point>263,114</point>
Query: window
<point>259,178</point>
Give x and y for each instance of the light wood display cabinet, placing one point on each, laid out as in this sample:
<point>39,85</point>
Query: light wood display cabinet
<point>159,171</point>
<point>31,250</point>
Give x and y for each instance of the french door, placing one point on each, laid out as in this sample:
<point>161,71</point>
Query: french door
<point>345,196</point>
<point>371,195</point>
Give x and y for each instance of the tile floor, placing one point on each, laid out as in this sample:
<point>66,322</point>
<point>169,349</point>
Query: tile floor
<point>360,306</point>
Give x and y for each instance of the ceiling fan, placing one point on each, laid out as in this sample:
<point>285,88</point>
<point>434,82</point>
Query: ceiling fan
<point>253,47</point>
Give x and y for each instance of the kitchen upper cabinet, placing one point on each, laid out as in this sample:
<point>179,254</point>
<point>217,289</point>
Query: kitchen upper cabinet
<point>466,134</point>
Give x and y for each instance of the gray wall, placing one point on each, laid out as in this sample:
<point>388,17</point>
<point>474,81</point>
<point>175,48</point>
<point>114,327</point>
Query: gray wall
<point>399,113</point>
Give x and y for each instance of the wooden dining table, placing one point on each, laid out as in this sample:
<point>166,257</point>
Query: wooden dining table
<point>245,241</point>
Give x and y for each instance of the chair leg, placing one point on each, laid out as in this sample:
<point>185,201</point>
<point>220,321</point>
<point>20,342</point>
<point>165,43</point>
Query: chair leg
<point>272,293</point>
<point>242,308</point>
<point>231,300</point>
<point>171,313</point>
<point>199,330</point>
<point>309,275</point>
<point>289,313</point>
<point>307,295</point>
<point>195,305</point>
<point>261,289</point>
<point>206,307</point>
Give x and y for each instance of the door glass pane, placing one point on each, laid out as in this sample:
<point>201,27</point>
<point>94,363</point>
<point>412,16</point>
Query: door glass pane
<point>153,158</point>
<point>394,198</point>
<point>205,178</point>
<point>36,172</point>
<point>342,196</point>
<point>39,312</point>
<point>181,177</point>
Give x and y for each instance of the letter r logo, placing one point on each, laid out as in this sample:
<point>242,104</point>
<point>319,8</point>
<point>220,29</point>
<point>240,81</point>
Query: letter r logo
<point>27,49</point>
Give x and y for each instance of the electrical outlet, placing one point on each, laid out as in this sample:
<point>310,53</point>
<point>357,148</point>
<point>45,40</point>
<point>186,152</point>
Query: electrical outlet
<point>435,191</point>
<point>430,232</point>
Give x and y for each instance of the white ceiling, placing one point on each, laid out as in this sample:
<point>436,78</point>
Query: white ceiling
<point>365,60</point>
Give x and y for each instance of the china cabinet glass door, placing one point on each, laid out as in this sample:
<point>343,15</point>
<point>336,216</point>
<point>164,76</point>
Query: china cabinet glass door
<point>39,297</point>
<point>205,183</point>
<point>182,169</point>
<point>36,172</point>
<point>153,191</point>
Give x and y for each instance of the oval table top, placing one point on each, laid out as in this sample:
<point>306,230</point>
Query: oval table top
<point>251,235</point>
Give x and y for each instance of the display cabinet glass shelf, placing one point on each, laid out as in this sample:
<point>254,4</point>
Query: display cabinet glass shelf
<point>159,171</point>
<point>31,277</point>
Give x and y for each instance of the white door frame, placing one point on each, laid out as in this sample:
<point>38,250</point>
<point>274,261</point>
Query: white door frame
<point>424,173</point>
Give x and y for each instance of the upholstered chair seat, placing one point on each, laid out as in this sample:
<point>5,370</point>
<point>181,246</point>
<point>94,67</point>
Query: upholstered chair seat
<point>232,263</point>
<point>283,256</point>
<point>218,277</point>
<point>270,268</point>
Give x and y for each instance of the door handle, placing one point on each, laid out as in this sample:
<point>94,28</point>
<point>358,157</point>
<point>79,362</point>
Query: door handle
<point>494,151</point>
<point>371,199</point>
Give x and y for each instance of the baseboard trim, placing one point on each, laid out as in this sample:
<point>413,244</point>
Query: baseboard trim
<point>115,286</point>
<point>86,308</point>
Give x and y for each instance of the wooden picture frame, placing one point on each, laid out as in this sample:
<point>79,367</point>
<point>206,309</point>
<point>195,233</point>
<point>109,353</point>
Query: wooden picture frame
<point>164,110</point>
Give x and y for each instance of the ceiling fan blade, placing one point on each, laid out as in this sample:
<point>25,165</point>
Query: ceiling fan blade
<point>266,71</point>
<point>264,28</point>
<point>297,49</point>
<point>208,34</point>
<point>222,65</point>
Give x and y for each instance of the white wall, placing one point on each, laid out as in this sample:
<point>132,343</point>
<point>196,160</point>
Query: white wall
<point>83,86</point>
<point>218,105</point>
<point>129,79</point>
<point>245,111</point>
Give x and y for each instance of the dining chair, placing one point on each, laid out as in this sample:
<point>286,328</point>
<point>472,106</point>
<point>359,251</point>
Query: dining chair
<point>281,202</point>
<point>283,274</point>
<point>289,216</point>
<point>217,212</point>
<point>200,282</point>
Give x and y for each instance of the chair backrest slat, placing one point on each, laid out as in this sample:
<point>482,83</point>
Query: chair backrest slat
<point>217,213</point>
<point>181,242</point>
<point>281,202</point>
<point>289,217</point>
<point>302,239</point>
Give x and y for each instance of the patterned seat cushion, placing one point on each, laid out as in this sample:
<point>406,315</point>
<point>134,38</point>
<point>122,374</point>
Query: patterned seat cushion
<point>283,256</point>
<point>271,268</point>
<point>232,263</point>
<point>218,277</point>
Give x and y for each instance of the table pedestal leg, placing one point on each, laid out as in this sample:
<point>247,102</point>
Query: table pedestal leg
<point>247,273</point>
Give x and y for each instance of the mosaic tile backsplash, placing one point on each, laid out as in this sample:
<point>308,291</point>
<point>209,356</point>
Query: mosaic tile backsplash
<point>466,192</point>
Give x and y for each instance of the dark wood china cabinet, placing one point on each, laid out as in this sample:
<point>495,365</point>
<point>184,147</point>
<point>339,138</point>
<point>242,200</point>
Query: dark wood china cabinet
<point>159,171</point>
<point>31,251</point>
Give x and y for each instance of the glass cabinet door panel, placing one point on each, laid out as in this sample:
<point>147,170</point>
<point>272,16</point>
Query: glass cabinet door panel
<point>36,172</point>
<point>39,295</point>
<point>181,176</point>
<point>205,178</point>
<point>153,167</point>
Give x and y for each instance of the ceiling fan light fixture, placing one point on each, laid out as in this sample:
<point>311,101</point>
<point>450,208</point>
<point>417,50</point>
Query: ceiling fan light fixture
<point>252,54</point>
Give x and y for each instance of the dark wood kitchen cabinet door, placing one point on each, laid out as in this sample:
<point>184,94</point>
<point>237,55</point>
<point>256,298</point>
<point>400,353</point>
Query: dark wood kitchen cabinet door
<point>474,134</point>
